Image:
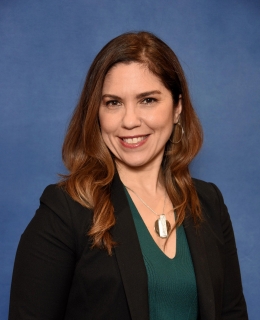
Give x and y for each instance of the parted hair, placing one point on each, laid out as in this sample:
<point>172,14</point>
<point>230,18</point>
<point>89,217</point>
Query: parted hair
<point>91,165</point>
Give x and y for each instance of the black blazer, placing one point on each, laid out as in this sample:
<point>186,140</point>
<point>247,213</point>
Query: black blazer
<point>57,276</point>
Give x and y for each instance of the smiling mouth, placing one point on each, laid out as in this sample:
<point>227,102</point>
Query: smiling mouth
<point>134,140</point>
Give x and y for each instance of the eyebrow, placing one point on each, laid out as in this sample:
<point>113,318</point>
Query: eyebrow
<point>148,93</point>
<point>139,96</point>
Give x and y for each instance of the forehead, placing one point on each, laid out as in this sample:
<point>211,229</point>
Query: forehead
<point>131,76</point>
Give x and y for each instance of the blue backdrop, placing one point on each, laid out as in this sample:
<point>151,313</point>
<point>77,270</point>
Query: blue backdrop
<point>46,48</point>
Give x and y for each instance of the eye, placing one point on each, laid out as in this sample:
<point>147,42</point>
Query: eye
<point>112,103</point>
<point>149,100</point>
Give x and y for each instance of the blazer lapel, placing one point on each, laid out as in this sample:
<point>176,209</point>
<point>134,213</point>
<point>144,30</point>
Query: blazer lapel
<point>201,268</point>
<point>129,255</point>
<point>131,265</point>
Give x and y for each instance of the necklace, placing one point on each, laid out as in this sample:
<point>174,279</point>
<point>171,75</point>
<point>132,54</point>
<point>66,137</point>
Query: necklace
<point>161,226</point>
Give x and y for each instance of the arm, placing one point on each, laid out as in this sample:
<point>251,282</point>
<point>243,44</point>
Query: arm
<point>44,263</point>
<point>233,304</point>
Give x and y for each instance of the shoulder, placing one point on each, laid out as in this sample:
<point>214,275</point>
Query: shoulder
<point>55,194</point>
<point>214,210</point>
<point>208,193</point>
<point>55,197</point>
<point>58,203</point>
<point>206,189</point>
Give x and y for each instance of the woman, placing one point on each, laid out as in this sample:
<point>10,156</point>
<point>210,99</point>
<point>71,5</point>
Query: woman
<point>128,234</point>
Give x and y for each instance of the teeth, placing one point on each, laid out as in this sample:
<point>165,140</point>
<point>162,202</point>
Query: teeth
<point>133,140</point>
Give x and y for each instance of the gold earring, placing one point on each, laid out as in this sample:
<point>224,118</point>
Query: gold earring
<point>182,132</point>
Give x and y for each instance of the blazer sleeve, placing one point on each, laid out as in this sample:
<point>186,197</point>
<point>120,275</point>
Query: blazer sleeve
<point>233,303</point>
<point>44,261</point>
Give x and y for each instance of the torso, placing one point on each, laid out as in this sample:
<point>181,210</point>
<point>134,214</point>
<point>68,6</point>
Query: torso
<point>167,245</point>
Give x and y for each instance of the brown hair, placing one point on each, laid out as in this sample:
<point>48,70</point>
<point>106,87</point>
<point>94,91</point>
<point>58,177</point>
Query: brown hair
<point>89,161</point>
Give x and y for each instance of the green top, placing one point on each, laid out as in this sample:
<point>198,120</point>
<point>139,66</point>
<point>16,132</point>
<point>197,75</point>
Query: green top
<point>171,282</point>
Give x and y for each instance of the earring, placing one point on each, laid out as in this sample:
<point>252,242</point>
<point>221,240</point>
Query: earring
<point>182,133</point>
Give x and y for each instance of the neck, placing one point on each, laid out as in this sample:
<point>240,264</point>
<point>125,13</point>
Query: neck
<point>149,180</point>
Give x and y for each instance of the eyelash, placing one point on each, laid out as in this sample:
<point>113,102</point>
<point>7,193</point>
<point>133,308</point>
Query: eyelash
<point>114,103</point>
<point>149,100</point>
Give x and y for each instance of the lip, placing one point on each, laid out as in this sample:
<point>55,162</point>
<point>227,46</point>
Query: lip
<point>133,145</point>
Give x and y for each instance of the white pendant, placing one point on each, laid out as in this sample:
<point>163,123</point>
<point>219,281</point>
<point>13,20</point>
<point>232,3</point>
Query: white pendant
<point>162,226</point>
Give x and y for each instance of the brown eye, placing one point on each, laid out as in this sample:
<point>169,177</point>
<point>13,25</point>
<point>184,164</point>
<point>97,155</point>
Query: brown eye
<point>149,100</point>
<point>112,103</point>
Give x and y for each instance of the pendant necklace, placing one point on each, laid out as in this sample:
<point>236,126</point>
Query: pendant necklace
<point>162,226</point>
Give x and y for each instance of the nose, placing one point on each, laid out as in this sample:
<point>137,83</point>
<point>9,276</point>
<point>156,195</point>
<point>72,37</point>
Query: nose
<point>131,118</point>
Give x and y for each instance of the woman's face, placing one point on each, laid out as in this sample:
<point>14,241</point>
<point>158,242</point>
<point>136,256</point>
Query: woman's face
<point>136,115</point>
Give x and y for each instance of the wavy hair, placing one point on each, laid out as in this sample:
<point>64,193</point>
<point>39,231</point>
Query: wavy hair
<point>90,163</point>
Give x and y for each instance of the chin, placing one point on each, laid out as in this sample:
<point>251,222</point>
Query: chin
<point>137,164</point>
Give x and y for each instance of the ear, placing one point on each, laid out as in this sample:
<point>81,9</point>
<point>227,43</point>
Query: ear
<point>177,110</point>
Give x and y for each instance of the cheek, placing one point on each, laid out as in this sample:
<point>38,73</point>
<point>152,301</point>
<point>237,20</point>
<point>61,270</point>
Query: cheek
<point>104,123</point>
<point>104,129</point>
<point>107,129</point>
<point>163,120</point>
<point>108,121</point>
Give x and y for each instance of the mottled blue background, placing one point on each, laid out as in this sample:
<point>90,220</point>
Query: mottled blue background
<point>46,48</point>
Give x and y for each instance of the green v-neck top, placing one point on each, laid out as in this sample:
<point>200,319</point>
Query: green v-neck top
<point>171,282</point>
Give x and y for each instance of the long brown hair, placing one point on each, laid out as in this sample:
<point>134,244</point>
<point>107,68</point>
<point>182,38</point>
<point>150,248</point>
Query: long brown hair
<point>90,164</point>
